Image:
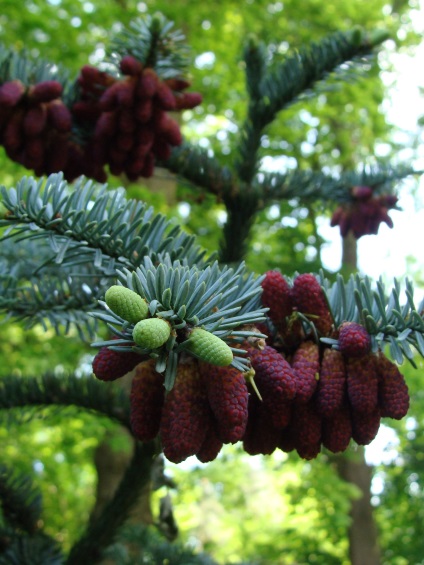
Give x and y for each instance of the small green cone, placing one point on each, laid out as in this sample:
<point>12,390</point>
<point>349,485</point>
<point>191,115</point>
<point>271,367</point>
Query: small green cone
<point>209,348</point>
<point>151,333</point>
<point>126,303</point>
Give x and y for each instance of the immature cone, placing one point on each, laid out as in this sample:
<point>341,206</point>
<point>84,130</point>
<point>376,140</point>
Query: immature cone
<point>11,93</point>
<point>126,303</point>
<point>146,401</point>
<point>354,340</point>
<point>211,446</point>
<point>305,364</point>
<point>362,384</point>
<point>337,430</point>
<point>109,365</point>
<point>331,389</point>
<point>365,426</point>
<point>151,333</point>
<point>185,415</point>
<point>309,299</point>
<point>208,347</point>
<point>261,436</point>
<point>307,426</point>
<point>393,395</point>
<point>276,297</point>
<point>228,398</point>
<point>276,383</point>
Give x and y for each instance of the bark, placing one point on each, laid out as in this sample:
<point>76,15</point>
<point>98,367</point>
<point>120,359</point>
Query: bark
<point>363,535</point>
<point>349,254</point>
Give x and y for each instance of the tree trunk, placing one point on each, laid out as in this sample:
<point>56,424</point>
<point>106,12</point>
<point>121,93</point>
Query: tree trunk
<point>363,535</point>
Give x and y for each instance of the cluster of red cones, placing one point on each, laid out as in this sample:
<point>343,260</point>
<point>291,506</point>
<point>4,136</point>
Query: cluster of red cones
<point>302,394</point>
<point>365,214</point>
<point>120,124</point>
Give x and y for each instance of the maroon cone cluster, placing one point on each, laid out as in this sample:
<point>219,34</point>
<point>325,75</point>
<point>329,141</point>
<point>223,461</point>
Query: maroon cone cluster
<point>311,397</point>
<point>364,215</point>
<point>335,399</point>
<point>125,122</point>
<point>287,303</point>
<point>35,125</point>
<point>207,407</point>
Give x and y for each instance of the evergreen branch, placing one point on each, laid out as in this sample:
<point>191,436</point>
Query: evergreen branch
<point>385,317</point>
<point>30,71</point>
<point>20,501</point>
<point>23,549</point>
<point>254,56</point>
<point>91,224</point>
<point>102,532</point>
<point>287,82</point>
<point>301,71</point>
<point>57,301</point>
<point>315,185</point>
<point>218,300</point>
<point>154,43</point>
<point>195,165</point>
<point>51,390</point>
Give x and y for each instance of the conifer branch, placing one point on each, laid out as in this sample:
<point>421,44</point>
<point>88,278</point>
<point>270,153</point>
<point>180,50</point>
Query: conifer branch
<point>218,300</point>
<point>387,319</point>
<point>30,71</point>
<point>91,224</point>
<point>153,41</point>
<point>51,390</point>
<point>20,501</point>
<point>53,301</point>
<point>336,188</point>
<point>19,548</point>
<point>285,83</point>
<point>197,167</point>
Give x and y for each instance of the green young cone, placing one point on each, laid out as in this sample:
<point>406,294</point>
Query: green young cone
<point>126,303</point>
<point>209,347</point>
<point>151,333</point>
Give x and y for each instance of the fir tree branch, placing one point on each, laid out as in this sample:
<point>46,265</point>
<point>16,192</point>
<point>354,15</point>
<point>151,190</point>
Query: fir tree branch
<point>101,533</point>
<point>20,549</point>
<point>20,501</point>
<point>153,41</point>
<point>51,390</point>
<point>219,301</point>
<point>30,71</point>
<point>386,318</point>
<point>285,83</point>
<point>315,185</point>
<point>196,166</point>
<point>91,224</point>
<point>56,301</point>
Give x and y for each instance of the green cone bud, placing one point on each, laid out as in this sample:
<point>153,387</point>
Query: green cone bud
<point>151,333</point>
<point>209,347</point>
<point>126,303</point>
